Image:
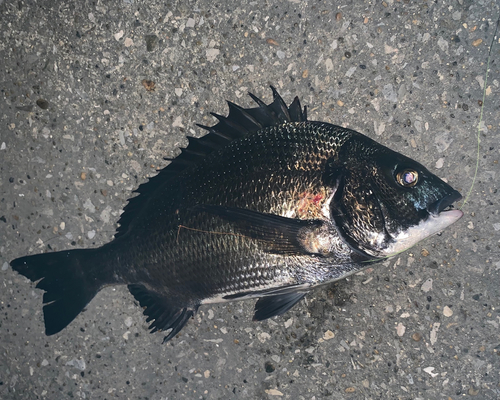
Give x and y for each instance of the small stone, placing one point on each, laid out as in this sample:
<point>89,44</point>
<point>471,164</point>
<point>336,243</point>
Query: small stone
<point>477,42</point>
<point>151,42</point>
<point>89,206</point>
<point>400,329</point>
<point>329,65</point>
<point>272,42</point>
<point>340,103</point>
<point>178,122</point>
<point>424,252</point>
<point>148,85</point>
<point>42,103</point>
<point>350,389</point>
<point>269,367</point>
<point>427,285</point>
<point>212,54</point>
<point>390,93</point>
<point>416,337</point>
<point>473,391</point>
<point>263,337</point>
<point>305,74</point>
<point>447,311</point>
<point>338,16</point>
<point>273,392</point>
<point>78,364</point>
<point>433,337</point>
<point>443,44</point>
<point>83,176</point>
<point>350,72</point>
<point>104,192</point>
<point>328,335</point>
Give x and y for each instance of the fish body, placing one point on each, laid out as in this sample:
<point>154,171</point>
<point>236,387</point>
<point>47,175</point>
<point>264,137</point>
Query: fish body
<point>267,205</point>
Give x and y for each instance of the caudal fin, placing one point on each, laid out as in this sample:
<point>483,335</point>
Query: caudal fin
<point>68,285</point>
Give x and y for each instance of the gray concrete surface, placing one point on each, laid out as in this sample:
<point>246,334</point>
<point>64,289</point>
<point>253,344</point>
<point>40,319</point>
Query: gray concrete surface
<point>80,130</point>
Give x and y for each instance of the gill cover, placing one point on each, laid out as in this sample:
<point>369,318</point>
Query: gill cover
<point>385,202</point>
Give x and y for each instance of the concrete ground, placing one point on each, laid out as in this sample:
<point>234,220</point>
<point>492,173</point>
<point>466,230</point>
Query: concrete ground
<point>94,94</point>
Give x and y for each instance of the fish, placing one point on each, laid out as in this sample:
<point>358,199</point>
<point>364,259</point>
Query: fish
<point>267,205</point>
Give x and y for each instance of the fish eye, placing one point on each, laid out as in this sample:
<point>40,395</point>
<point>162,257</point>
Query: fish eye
<point>407,177</point>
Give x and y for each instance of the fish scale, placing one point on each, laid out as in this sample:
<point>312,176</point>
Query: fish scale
<point>267,205</point>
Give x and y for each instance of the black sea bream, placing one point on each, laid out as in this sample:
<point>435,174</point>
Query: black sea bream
<point>267,205</point>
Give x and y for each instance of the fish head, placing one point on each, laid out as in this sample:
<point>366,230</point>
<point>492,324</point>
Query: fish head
<point>384,202</point>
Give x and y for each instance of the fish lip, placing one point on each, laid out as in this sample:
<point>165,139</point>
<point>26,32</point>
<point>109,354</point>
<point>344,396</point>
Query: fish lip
<point>438,206</point>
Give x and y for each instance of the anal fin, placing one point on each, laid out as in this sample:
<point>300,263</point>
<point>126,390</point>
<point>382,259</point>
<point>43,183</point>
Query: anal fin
<point>269,306</point>
<point>165,313</point>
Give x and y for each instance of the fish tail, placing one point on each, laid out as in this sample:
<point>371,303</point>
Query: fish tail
<point>70,280</point>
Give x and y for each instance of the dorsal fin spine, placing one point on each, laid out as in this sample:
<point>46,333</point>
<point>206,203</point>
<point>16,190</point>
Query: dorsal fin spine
<point>249,121</point>
<point>259,102</point>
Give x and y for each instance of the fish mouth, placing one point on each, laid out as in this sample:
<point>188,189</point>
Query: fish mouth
<point>440,216</point>
<point>447,201</point>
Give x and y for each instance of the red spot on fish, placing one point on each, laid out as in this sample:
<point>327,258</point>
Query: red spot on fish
<point>309,204</point>
<point>317,199</point>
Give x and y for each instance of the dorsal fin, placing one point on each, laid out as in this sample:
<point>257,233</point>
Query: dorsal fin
<point>239,122</point>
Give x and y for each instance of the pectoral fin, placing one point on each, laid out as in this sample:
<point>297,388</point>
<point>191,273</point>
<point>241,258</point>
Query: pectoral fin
<point>280,235</point>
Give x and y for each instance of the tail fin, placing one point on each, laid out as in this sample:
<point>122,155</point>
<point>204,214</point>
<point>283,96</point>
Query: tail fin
<point>68,285</point>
